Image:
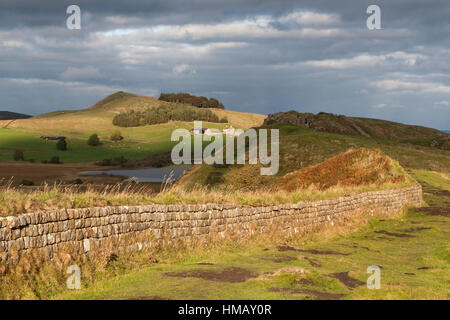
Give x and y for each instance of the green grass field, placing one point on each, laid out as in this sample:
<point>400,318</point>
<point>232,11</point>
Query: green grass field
<point>412,251</point>
<point>138,142</point>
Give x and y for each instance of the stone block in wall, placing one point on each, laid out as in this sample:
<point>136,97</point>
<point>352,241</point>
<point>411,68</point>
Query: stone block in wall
<point>49,230</point>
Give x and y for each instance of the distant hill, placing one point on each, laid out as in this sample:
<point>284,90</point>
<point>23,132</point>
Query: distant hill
<point>124,101</point>
<point>7,115</point>
<point>112,104</point>
<point>446,131</point>
<point>79,124</point>
<point>108,107</point>
<point>370,128</point>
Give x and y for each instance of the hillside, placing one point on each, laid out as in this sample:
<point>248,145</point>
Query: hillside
<point>352,168</point>
<point>371,128</point>
<point>102,113</point>
<point>301,148</point>
<point>78,125</point>
<point>114,103</point>
<point>7,115</point>
<point>123,101</point>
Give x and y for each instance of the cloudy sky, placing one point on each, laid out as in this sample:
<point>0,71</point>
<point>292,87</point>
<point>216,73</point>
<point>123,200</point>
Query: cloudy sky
<point>259,56</point>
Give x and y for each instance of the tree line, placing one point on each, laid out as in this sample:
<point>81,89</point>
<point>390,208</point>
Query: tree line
<point>196,101</point>
<point>164,114</point>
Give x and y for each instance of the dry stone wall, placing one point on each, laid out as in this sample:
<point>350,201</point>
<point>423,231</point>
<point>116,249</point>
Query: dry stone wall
<point>84,229</point>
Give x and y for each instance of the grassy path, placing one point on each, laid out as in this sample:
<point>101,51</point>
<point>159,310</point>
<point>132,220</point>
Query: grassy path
<point>413,253</point>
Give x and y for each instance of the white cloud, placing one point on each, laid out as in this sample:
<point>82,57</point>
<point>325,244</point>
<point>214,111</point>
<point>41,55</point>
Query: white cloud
<point>385,105</point>
<point>121,20</point>
<point>14,44</point>
<point>183,69</point>
<point>366,60</point>
<point>260,26</point>
<point>407,58</point>
<point>408,86</point>
<point>309,18</point>
<point>442,104</point>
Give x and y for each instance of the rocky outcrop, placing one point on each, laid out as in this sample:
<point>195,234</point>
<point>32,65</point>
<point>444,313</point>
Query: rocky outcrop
<point>366,127</point>
<point>304,120</point>
<point>327,122</point>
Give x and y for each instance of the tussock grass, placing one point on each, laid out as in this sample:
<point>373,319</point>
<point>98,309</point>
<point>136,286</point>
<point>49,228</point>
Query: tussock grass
<point>355,167</point>
<point>34,276</point>
<point>353,172</point>
<point>14,201</point>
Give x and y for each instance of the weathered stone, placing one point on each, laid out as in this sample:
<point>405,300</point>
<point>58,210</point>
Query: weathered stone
<point>89,228</point>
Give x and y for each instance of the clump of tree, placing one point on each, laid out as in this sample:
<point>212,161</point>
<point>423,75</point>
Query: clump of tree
<point>54,160</point>
<point>163,114</point>
<point>61,145</point>
<point>196,101</point>
<point>94,140</point>
<point>119,161</point>
<point>19,156</point>
<point>223,120</point>
<point>116,136</point>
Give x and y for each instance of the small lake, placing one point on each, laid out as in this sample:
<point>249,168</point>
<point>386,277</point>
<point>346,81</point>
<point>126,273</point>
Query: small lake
<point>144,174</point>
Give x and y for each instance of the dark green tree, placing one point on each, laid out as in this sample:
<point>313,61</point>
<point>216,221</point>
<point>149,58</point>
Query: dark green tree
<point>94,140</point>
<point>61,145</point>
<point>54,160</point>
<point>18,155</point>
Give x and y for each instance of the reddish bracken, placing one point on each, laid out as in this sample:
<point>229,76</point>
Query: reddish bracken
<point>353,168</point>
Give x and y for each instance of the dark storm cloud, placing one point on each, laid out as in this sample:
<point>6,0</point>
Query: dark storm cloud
<point>16,13</point>
<point>255,55</point>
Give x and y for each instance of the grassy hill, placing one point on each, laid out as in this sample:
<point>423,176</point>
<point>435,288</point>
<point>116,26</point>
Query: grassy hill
<point>123,101</point>
<point>300,148</point>
<point>372,128</point>
<point>78,125</point>
<point>353,168</point>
